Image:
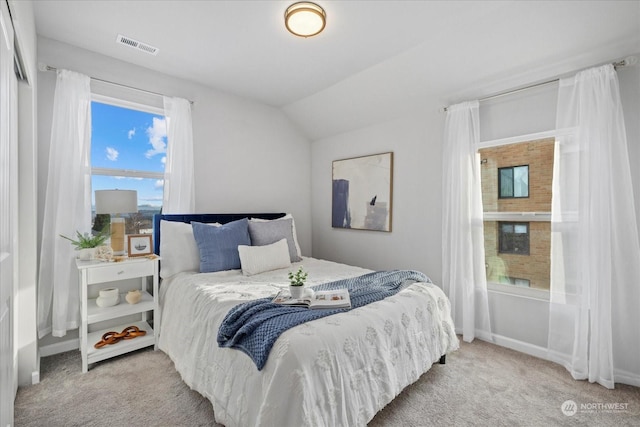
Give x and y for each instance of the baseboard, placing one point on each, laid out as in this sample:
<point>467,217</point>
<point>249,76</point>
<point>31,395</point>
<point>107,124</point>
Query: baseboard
<point>624,377</point>
<point>59,347</point>
<point>620,376</point>
<point>478,333</point>
<point>521,346</point>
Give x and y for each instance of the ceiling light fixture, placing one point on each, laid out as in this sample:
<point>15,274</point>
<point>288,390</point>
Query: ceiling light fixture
<point>305,19</point>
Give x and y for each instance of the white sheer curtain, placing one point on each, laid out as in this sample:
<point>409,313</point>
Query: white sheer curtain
<point>463,261</point>
<point>179,191</point>
<point>67,205</point>
<point>595,255</point>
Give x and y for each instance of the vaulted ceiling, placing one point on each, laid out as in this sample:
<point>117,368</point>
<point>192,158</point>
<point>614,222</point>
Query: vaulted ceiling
<point>375,60</point>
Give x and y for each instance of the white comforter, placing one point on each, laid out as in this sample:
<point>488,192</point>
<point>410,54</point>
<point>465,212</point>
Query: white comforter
<point>336,371</point>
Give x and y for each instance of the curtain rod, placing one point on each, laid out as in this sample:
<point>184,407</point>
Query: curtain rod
<point>631,60</point>
<point>50,68</point>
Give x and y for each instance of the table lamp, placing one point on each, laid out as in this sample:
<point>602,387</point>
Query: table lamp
<point>115,203</point>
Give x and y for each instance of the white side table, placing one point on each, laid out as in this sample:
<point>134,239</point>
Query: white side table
<point>94,273</point>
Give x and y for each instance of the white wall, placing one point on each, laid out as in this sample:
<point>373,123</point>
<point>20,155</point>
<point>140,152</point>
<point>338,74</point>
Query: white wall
<point>629,78</point>
<point>522,113</point>
<point>414,242</point>
<point>248,156</point>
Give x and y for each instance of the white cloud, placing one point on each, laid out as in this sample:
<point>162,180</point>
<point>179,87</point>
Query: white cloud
<point>131,133</point>
<point>163,160</point>
<point>151,200</point>
<point>159,184</point>
<point>112,154</point>
<point>157,134</point>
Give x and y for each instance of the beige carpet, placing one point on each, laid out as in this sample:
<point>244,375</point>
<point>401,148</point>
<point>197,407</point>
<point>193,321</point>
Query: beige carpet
<point>481,384</point>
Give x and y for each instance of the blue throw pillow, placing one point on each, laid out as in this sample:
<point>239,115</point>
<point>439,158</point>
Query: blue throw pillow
<point>218,246</point>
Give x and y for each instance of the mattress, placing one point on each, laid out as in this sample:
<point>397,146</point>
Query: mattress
<point>339,370</point>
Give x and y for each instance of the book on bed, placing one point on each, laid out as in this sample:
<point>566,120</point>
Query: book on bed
<point>337,298</point>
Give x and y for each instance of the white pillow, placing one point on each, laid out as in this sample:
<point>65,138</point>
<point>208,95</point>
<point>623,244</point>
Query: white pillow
<point>293,229</point>
<point>178,248</point>
<point>258,259</point>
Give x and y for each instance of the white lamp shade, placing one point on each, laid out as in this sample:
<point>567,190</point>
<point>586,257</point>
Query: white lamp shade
<point>116,201</point>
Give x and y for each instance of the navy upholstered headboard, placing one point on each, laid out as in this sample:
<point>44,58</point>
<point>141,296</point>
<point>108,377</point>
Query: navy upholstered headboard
<point>221,218</point>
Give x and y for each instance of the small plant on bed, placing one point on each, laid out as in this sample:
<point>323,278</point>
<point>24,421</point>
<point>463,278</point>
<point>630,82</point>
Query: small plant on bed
<point>298,278</point>
<point>296,282</point>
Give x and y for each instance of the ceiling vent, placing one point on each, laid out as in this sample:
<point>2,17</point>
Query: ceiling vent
<point>128,41</point>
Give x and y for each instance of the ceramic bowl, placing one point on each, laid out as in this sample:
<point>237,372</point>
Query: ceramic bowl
<point>108,297</point>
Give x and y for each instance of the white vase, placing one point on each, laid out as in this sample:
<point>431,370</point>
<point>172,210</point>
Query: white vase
<point>296,291</point>
<point>86,254</point>
<point>108,297</point>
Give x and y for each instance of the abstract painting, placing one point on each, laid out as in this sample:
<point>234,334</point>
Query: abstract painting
<point>362,190</point>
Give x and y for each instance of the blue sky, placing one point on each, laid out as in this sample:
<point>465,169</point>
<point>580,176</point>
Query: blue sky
<point>128,139</point>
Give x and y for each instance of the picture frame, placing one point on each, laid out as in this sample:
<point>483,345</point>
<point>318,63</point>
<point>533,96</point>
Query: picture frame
<point>139,244</point>
<point>362,192</point>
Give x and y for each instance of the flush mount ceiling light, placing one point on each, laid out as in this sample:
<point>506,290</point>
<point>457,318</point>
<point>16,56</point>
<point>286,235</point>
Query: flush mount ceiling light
<point>305,19</point>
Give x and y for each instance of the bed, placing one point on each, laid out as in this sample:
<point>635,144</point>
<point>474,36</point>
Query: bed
<point>338,370</point>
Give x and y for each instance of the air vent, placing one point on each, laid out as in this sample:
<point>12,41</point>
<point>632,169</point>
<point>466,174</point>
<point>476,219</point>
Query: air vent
<point>128,41</point>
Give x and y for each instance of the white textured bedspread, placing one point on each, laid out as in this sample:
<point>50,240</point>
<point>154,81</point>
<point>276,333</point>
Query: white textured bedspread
<point>336,371</point>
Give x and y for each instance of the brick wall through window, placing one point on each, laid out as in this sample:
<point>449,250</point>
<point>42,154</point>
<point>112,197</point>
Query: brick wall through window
<point>535,266</point>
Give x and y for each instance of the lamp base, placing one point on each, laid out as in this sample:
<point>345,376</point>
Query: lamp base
<point>117,235</point>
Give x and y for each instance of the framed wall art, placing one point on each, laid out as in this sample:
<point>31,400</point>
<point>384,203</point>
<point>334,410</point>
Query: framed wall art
<point>362,192</point>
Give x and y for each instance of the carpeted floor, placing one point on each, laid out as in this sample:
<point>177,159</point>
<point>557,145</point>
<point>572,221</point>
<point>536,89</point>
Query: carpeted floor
<point>481,384</point>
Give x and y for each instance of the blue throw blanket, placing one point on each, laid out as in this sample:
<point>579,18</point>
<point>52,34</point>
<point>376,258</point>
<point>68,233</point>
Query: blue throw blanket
<point>254,326</point>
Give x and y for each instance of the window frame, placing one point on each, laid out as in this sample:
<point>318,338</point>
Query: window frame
<point>126,173</point>
<point>501,237</point>
<point>513,183</point>
<point>501,288</point>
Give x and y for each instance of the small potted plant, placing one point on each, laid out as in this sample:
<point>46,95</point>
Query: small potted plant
<point>296,282</point>
<point>87,243</point>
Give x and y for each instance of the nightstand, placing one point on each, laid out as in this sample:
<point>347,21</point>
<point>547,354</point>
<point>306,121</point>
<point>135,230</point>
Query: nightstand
<point>94,273</point>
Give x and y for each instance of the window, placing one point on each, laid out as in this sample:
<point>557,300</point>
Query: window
<point>517,211</point>
<point>128,152</point>
<point>515,281</point>
<point>514,238</point>
<point>513,181</point>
